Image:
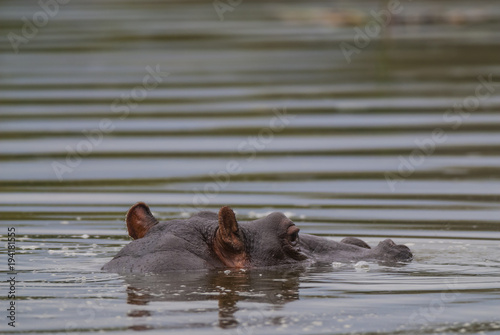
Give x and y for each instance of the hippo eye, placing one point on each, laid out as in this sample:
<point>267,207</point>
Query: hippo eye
<point>293,235</point>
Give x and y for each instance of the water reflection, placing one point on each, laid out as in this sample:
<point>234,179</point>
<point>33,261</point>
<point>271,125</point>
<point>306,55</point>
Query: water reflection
<point>228,288</point>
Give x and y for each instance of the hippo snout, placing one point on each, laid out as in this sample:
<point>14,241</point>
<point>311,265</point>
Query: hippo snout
<point>391,251</point>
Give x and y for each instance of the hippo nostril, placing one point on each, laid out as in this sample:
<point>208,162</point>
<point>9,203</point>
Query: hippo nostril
<point>388,242</point>
<point>404,247</point>
<point>395,252</point>
<point>404,253</point>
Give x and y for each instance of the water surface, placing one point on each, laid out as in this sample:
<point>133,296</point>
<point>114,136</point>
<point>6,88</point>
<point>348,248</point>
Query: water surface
<point>113,102</point>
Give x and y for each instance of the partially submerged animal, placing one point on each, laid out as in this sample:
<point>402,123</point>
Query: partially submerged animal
<point>217,241</point>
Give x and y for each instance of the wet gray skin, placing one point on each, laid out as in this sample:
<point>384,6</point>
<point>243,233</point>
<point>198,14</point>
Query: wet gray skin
<point>216,241</point>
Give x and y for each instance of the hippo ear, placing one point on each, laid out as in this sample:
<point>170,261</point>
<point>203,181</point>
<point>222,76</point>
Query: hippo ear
<point>139,220</point>
<point>229,245</point>
<point>228,227</point>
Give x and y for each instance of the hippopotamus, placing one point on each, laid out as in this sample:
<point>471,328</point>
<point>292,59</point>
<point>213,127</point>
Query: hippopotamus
<point>208,240</point>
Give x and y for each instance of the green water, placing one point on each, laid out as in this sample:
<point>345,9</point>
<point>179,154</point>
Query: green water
<point>349,124</point>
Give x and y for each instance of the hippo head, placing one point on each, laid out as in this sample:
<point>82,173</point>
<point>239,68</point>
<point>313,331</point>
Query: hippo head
<point>214,241</point>
<point>269,241</point>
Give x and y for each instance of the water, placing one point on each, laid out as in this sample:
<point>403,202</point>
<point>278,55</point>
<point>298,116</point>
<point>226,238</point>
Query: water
<point>110,103</point>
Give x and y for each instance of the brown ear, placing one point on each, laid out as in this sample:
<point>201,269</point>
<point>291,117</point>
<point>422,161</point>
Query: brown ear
<point>229,245</point>
<point>139,220</point>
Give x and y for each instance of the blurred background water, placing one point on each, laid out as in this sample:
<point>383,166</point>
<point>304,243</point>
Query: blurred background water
<point>375,119</point>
